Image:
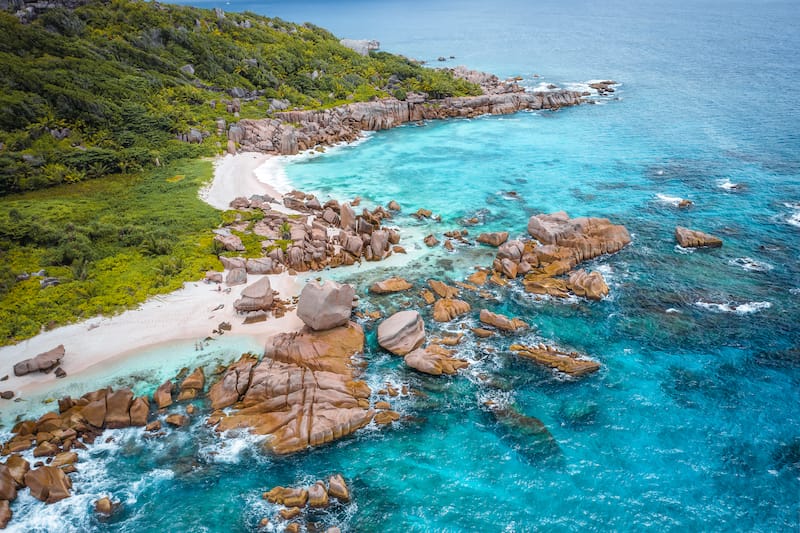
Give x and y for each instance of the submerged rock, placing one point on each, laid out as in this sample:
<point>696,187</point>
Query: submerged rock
<point>689,238</point>
<point>402,332</point>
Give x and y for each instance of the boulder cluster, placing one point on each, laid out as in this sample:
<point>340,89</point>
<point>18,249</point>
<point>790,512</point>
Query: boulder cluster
<point>290,132</point>
<point>570,363</point>
<point>297,501</point>
<point>312,237</point>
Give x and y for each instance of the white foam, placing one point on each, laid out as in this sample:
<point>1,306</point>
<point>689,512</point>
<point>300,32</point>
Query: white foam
<point>672,310</point>
<point>728,185</point>
<point>794,218</point>
<point>740,309</point>
<point>231,446</point>
<point>751,264</point>
<point>671,200</point>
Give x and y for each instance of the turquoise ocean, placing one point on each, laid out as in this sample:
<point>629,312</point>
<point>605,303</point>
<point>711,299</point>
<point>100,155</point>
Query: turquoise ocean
<point>693,423</point>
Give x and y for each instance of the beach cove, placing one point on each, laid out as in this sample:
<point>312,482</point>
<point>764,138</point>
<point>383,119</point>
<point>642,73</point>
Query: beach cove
<point>690,422</point>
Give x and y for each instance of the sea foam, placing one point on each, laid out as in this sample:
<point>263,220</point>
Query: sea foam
<point>740,309</point>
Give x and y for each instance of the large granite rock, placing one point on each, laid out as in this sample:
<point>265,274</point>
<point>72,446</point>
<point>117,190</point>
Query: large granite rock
<point>17,466</point>
<point>337,488</point>
<point>163,394</point>
<point>233,384</point>
<point>41,363</point>
<point>5,513</point>
<point>689,238</point>
<point>434,360</point>
<point>231,243</point>
<point>304,392</point>
<point>586,237</point>
<point>48,484</point>
<point>325,306</point>
<point>255,297</point>
<point>402,332</point>
<point>570,363</point>
<point>118,405</point>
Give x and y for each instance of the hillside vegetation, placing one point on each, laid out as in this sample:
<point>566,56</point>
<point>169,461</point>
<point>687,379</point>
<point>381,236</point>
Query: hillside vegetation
<point>108,87</point>
<point>96,189</point>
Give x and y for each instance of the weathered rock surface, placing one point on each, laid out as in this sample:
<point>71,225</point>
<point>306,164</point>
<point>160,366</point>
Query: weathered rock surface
<point>8,486</point>
<point>236,276</point>
<point>325,306</point>
<point>402,332</point>
<point>233,384</point>
<point>48,484</point>
<point>567,362</point>
<point>446,309</point>
<point>387,286</point>
<point>163,394</point>
<point>501,321</point>
<point>17,466</point>
<point>5,513</point>
<point>41,363</point>
<point>586,237</point>
<point>434,360</point>
<point>303,392</point>
<point>591,286</point>
<point>337,488</point>
<point>231,243</point>
<point>689,238</point>
<point>442,290</point>
<point>493,239</point>
<point>255,297</point>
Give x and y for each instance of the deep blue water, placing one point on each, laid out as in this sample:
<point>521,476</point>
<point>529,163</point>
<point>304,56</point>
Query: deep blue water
<point>693,423</point>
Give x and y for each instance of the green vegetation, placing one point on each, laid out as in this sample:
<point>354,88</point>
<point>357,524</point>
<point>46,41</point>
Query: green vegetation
<point>105,91</point>
<point>106,88</point>
<point>112,243</point>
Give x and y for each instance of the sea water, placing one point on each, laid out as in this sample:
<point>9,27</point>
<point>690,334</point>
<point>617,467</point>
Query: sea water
<point>691,425</point>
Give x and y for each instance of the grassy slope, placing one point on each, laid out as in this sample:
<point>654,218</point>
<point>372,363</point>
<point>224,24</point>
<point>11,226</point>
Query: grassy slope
<point>100,214</point>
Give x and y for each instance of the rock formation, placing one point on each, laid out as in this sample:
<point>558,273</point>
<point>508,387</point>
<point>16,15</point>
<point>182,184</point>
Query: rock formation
<point>446,309</point>
<point>303,392</point>
<point>435,360</point>
<point>387,286</point>
<point>48,484</point>
<point>402,332</point>
<point>502,322</point>
<point>44,362</point>
<point>493,239</point>
<point>255,297</point>
<point>689,238</point>
<point>569,363</point>
<point>591,286</point>
<point>326,305</point>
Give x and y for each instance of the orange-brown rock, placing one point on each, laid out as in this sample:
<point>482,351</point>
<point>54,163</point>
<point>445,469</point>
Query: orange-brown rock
<point>390,285</point>
<point>292,527</point>
<point>304,392</point>
<point>318,495</point>
<point>493,239</point>
<point>48,484</point>
<point>163,394</point>
<point>337,488</point>
<point>177,420</point>
<point>155,425</point>
<point>118,405</point>
<point>442,290</point>
<point>104,506</point>
<point>501,321</point>
<point>586,237</point>
<point>5,513</point>
<point>402,332</point>
<point>431,241</point>
<point>537,283</point>
<point>448,340</point>
<point>435,360</point>
<point>233,384</point>
<point>17,467</point>
<point>294,497</point>
<point>591,286</point>
<point>689,238</point>
<point>386,417</point>
<point>291,512</point>
<point>482,333</point>
<point>428,296</point>
<point>383,405</point>
<point>45,449</point>
<point>479,278</point>
<point>196,380</point>
<point>95,412</point>
<point>139,411</point>
<point>447,309</point>
<point>64,458</point>
<point>8,486</point>
<point>569,363</point>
